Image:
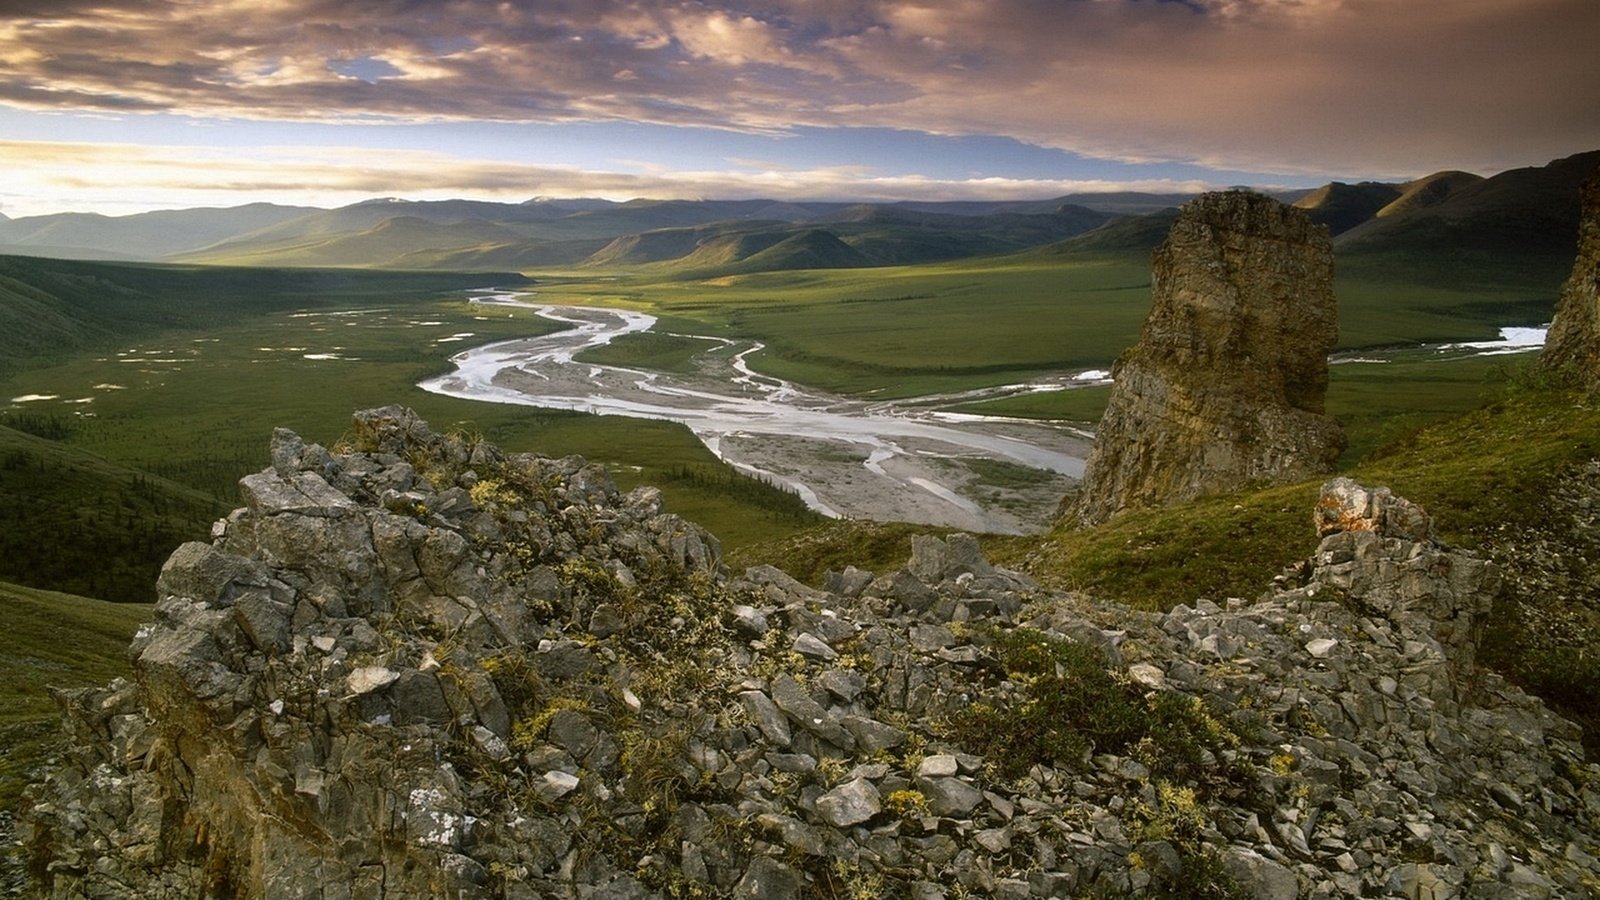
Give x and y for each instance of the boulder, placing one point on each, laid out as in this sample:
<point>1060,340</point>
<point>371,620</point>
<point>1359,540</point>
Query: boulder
<point>1226,383</point>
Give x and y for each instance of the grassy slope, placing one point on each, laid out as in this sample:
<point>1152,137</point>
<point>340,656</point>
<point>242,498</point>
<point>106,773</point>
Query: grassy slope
<point>57,640</point>
<point>1474,472</point>
<point>1488,478</point>
<point>70,520</point>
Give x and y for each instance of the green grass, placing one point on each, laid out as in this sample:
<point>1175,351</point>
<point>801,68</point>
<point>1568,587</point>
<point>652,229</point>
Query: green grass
<point>908,330</point>
<point>1376,402</point>
<point>1380,403</point>
<point>73,521</point>
<point>200,420</point>
<point>1081,404</point>
<point>1475,473</point>
<point>52,639</point>
<point>50,309</point>
<point>650,350</point>
<point>1487,477</point>
<point>903,331</point>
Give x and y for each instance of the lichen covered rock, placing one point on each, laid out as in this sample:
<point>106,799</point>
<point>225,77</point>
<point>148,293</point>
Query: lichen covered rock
<point>422,668</point>
<point>1573,346</point>
<point>1226,383</point>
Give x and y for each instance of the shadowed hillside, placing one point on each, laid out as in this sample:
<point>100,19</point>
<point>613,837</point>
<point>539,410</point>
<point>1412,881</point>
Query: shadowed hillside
<point>52,307</point>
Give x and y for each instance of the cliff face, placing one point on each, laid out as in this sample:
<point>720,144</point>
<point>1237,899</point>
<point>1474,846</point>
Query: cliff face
<point>1226,383</point>
<point>421,668</point>
<point>1574,343</point>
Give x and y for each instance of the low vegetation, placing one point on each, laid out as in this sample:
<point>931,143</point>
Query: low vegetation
<point>1508,480</point>
<point>36,658</point>
<point>650,350</point>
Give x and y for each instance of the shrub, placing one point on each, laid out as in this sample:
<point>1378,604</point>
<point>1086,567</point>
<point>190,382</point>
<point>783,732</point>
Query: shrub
<point>1067,705</point>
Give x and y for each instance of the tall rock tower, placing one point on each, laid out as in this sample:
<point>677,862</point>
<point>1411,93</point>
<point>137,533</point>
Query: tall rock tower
<point>1574,343</point>
<point>1226,383</point>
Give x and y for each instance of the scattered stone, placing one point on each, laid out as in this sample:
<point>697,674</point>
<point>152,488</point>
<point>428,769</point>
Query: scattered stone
<point>812,646</point>
<point>555,785</point>
<point>768,879</point>
<point>367,679</point>
<point>849,804</point>
<point>1321,647</point>
<point>766,716</point>
<point>409,705</point>
<point>949,796</point>
<point>941,765</point>
<point>1147,675</point>
<point>749,621</point>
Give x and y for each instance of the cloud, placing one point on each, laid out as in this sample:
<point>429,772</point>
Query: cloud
<point>1356,87</point>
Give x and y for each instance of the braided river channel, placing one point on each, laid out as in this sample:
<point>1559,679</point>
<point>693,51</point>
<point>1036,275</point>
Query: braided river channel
<point>904,460</point>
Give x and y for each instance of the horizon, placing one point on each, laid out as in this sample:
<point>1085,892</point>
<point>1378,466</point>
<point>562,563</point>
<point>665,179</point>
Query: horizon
<point>121,106</point>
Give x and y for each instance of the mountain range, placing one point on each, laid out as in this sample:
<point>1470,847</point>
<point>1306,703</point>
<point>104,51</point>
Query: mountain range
<point>1529,211</point>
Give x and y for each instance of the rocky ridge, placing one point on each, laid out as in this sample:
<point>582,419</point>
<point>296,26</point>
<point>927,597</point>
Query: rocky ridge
<point>1226,383</point>
<point>419,667</point>
<point>1573,345</point>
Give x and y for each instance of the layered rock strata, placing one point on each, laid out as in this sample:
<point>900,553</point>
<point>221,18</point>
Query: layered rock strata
<point>1226,383</point>
<point>1573,346</point>
<point>421,668</point>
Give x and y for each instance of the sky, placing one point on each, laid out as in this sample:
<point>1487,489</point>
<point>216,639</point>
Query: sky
<point>122,106</point>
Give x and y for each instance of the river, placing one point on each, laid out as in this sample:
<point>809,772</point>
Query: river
<point>902,460</point>
<point>898,460</point>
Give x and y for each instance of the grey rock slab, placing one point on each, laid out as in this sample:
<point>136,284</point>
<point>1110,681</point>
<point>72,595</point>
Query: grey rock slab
<point>1321,648</point>
<point>555,785</point>
<point>849,804</point>
<point>796,703</point>
<point>768,879</point>
<point>367,679</point>
<point>303,493</point>
<point>201,572</point>
<point>1260,877</point>
<point>749,621</point>
<point>573,732</point>
<point>949,796</point>
<point>940,765</point>
<point>264,621</point>
<point>767,717</point>
<point>842,683</point>
<point>1148,676</point>
<point>809,645</point>
<point>871,735</point>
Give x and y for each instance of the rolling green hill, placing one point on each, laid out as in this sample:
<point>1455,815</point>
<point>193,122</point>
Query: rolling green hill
<point>1427,192</point>
<point>383,245</point>
<point>1528,211</point>
<point>145,236</point>
<point>1342,206</point>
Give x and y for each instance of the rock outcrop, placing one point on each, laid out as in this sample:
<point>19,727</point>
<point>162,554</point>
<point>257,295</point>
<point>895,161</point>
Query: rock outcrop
<point>421,668</point>
<point>1573,346</point>
<point>1226,383</point>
